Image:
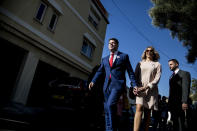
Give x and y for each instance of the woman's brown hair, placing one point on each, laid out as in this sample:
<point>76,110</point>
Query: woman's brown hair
<point>156,56</point>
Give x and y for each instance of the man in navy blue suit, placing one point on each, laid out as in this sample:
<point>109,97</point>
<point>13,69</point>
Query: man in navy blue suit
<point>114,66</point>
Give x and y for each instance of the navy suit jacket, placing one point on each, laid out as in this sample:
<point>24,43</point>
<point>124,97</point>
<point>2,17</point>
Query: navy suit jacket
<point>117,71</point>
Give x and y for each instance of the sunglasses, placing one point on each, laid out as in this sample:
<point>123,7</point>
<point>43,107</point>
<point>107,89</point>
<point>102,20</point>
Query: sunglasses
<point>149,50</point>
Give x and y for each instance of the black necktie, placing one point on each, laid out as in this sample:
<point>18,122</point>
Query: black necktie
<point>173,74</point>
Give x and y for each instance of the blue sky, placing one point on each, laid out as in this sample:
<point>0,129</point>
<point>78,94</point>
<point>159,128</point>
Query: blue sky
<point>133,31</point>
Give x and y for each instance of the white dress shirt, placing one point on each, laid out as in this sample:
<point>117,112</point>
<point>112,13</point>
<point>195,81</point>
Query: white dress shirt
<point>115,55</point>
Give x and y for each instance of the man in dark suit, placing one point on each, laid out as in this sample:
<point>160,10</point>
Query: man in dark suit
<point>114,66</point>
<point>179,95</point>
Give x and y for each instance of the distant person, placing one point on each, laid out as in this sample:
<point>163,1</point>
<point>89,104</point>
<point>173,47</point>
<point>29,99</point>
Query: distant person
<point>157,114</point>
<point>164,114</point>
<point>148,73</point>
<point>114,66</point>
<point>178,95</point>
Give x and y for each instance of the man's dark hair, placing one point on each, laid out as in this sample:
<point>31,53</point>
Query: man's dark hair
<point>116,40</point>
<point>174,60</point>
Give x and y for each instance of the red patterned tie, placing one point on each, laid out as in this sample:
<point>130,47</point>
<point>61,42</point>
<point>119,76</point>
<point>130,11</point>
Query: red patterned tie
<point>111,62</point>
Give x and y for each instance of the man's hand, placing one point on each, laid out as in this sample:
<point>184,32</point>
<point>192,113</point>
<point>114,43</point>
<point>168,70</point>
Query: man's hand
<point>184,106</point>
<point>91,85</point>
<point>135,91</point>
<point>131,93</point>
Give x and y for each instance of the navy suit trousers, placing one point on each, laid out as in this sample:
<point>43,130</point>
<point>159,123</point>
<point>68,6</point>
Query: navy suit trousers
<point>111,97</point>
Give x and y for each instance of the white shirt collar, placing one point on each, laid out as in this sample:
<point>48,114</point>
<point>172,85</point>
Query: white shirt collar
<point>115,55</point>
<point>176,71</point>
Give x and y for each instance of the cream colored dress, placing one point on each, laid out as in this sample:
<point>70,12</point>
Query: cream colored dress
<point>148,73</point>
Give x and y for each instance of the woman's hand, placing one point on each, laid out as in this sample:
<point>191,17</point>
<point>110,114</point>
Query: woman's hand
<point>141,89</point>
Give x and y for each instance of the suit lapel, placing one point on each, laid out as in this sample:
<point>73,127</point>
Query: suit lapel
<point>107,60</point>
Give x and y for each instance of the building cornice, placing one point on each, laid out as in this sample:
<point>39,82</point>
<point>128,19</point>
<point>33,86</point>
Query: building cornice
<point>56,6</point>
<point>98,6</point>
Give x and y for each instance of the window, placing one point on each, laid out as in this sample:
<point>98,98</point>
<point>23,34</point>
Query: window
<point>41,11</point>
<point>94,18</point>
<point>53,21</point>
<point>87,48</point>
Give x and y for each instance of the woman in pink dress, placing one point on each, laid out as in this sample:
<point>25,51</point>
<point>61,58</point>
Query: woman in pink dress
<point>148,73</point>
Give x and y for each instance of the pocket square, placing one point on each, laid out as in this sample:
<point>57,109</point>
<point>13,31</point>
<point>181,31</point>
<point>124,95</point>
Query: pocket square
<point>118,57</point>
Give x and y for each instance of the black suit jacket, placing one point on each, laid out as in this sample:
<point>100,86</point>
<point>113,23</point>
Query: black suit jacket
<point>179,90</point>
